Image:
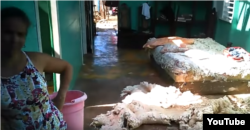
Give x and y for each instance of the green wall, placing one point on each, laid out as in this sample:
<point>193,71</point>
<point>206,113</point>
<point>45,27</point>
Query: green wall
<point>185,8</point>
<point>28,7</point>
<point>69,29</point>
<point>134,11</point>
<point>237,32</point>
<point>70,35</point>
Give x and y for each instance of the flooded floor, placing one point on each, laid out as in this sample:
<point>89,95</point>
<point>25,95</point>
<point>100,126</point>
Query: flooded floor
<point>108,71</point>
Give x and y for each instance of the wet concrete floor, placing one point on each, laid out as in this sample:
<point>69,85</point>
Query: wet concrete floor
<point>108,70</point>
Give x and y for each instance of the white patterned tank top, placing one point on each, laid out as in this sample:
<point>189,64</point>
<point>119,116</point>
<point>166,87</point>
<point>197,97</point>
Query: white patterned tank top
<point>25,102</point>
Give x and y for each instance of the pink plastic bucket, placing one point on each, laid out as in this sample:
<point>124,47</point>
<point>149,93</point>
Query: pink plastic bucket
<point>73,109</point>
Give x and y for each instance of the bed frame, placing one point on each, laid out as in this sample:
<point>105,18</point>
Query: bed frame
<point>204,87</point>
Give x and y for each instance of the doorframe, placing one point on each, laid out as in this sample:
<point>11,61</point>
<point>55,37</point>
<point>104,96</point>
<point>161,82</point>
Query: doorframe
<point>91,22</point>
<point>38,27</point>
<point>89,26</point>
<point>83,29</point>
<point>55,28</point>
<point>56,36</point>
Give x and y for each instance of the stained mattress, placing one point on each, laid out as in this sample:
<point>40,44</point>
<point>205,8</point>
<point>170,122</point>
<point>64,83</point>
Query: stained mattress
<point>204,61</point>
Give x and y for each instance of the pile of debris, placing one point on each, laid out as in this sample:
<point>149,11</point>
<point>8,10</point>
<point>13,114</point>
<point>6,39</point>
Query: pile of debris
<point>154,104</point>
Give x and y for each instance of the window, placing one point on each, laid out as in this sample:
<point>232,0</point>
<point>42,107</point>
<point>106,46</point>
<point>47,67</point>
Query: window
<point>225,9</point>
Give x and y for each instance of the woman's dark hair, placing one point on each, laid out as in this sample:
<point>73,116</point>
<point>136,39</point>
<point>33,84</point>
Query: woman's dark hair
<point>11,12</point>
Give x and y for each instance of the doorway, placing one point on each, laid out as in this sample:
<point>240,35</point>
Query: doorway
<point>47,40</point>
<point>90,25</point>
<point>106,17</point>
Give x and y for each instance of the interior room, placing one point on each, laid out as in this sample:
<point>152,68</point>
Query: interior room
<point>205,21</point>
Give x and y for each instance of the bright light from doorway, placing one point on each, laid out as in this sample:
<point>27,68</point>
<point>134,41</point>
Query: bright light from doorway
<point>242,14</point>
<point>56,40</point>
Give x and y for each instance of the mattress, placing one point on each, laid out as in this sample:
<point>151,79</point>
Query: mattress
<point>203,61</point>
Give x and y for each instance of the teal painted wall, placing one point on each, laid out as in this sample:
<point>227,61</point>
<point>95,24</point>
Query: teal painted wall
<point>237,32</point>
<point>28,7</point>
<point>134,11</point>
<point>185,7</point>
<point>70,35</point>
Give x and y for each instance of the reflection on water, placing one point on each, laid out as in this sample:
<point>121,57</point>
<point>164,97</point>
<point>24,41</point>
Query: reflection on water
<point>109,62</point>
<point>105,49</point>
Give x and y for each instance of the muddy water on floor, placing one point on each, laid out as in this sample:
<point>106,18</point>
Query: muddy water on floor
<point>109,70</point>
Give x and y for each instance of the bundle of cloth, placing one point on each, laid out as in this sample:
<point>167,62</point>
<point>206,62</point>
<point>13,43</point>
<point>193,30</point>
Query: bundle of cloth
<point>237,53</point>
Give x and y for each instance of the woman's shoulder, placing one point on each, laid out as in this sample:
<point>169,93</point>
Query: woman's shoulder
<point>37,58</point>
<point>33,53</point>
<point>36,55</point>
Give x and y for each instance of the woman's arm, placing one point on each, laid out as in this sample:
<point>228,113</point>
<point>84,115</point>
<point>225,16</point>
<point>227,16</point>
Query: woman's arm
<point>55,65</point>
<point>49,64</point>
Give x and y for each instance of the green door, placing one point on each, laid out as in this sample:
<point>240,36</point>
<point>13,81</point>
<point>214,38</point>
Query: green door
<point>47,37</point>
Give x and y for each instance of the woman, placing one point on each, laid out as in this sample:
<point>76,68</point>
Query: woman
<point>25,103</point>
